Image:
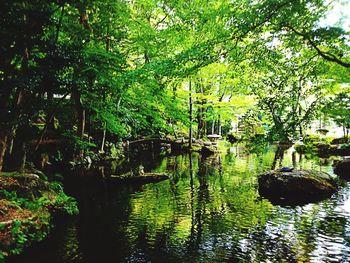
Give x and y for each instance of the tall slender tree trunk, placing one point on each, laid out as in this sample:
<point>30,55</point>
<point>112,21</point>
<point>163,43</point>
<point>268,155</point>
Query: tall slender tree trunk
<point>10,141</point>
<point>103,137</point>
<point>219,125</point>
<point>190,114</point>
<point>23,156</point>
<point>199,112</point>
<point>201,109</point>
<point>7,128</point>
<point>80,111</point>
<point>199,122</point>
<point>4,132</point>
<point>59,25</point>
<point>81,116</point>
<point>173,128</point>
<point>3,145</point>
<point>21,96</point>
<point>108,43</point>
<point>49,119</point>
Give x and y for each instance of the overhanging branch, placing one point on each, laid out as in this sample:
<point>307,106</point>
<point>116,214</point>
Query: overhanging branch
<point>326,55</point>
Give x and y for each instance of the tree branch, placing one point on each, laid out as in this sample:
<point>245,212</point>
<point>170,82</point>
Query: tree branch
<point>325,55</point>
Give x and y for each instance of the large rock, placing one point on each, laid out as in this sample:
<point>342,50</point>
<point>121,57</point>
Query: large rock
<point>232,138</point>
<point>342,168</point>
<point>209,150</point>
<point>296,187</point>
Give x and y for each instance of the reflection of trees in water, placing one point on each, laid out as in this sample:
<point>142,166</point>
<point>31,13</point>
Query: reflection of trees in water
<point>225,219</point>
<point>197,207</point>
<point>290,234</point>
<point>261,246</point>
<point>209,211</point>
<point>301,234</point>
<point>224,222</point>
<point>279,155</point>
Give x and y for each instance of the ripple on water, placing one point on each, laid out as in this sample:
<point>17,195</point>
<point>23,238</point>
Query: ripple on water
<point>212,214</point>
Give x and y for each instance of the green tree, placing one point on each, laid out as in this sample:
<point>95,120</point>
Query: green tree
<point>289,88</point>
<point>338,109</point>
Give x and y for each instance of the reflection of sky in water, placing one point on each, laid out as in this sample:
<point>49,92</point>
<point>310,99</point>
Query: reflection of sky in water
<point>345,208</point>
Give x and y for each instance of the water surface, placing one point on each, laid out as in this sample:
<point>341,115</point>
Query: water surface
<point>209,211</point>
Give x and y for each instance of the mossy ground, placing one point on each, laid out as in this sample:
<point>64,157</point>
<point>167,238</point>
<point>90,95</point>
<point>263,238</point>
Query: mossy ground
<point>27,206</point>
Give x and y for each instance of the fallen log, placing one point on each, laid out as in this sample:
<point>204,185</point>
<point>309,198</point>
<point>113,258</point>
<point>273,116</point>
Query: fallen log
<point>138,179</point>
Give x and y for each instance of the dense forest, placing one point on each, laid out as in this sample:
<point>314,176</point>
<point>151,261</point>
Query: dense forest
<point>174,131</point>
<point>90,73</point>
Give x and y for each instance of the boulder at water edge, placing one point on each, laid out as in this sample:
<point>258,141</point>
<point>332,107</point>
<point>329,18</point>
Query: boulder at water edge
<point>296,187</point>
<point>342,168</point>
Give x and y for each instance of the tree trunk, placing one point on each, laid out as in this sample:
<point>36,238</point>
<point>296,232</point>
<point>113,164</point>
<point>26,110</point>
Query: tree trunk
<point>190,114</point>
<point>200,119</point>
<point>104,95</point>
<point>23,157</point>
<point>10,141</point>
<point>219,125</point>
<point>199,122</point>
<point>80,111</point>
<point>59,23</point>
<point>279,154</point>
<point>103,137</point>
<point>173,128</point>
<point>52,114</point>
<point>3,144</point>
<point>49,118</point>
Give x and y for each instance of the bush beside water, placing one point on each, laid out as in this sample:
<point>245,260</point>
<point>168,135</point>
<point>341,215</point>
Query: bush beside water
<point>27,206</point>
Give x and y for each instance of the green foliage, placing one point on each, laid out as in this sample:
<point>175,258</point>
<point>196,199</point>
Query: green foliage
<point>313,143</point>
<point>338,109</point>
<point>126,65</point>
<point>30,219</point>
<point>344,146</point>
<point>56,201</point>
<point>60,203</point>
<point>116,151</point>
<point>79,143</point>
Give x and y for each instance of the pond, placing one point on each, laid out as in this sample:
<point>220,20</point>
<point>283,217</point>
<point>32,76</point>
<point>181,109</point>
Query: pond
<point>209,211</point>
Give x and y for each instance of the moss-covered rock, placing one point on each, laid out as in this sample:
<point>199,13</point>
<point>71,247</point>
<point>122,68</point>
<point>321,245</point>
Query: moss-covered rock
<point>299,186</point>
<point>209,150</point>
<point>196,147</point>
<point>28,186</point>
<point>339,140</point>
<point>342,168</point>
<point>341,150</point>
